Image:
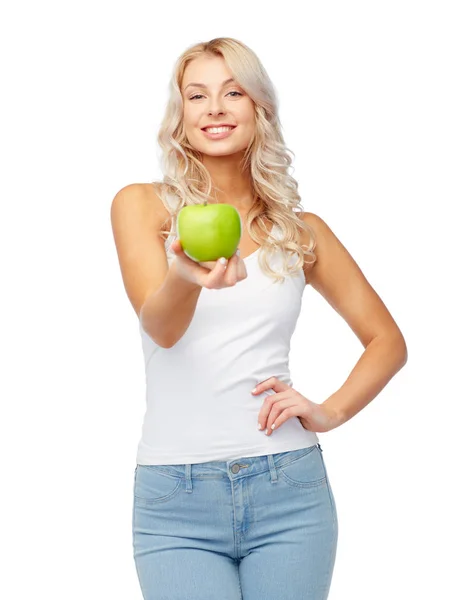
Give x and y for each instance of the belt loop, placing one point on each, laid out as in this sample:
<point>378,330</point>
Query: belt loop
<point>189,484</point>
<point>272,468</point>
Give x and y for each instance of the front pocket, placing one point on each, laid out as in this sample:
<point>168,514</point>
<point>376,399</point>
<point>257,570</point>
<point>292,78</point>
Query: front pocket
<point>306,471</point>
<point>153,486</point>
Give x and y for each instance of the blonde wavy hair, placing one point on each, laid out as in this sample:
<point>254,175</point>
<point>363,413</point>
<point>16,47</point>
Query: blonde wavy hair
<point>274,189</point>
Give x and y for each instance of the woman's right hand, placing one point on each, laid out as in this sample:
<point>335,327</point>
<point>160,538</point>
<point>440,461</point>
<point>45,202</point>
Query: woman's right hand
<point>212,275</point>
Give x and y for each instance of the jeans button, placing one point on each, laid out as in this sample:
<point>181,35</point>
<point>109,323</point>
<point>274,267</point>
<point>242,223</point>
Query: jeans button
<point>235,468</point>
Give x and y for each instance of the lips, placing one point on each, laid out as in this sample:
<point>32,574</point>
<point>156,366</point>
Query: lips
<point>217,127</point>
<point>220,135</point>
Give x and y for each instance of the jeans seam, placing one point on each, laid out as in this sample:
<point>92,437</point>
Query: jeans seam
<point>133,516</point>
<point>332,504</point>
<point>295,458</point>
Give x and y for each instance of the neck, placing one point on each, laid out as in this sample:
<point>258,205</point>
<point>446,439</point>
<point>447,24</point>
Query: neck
<point>229,184</point>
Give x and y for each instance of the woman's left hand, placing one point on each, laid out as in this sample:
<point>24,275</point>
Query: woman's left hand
<point>287,403</point>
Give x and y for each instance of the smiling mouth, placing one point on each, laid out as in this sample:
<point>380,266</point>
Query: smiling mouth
<point>219,135</point>
<point>226,128</point>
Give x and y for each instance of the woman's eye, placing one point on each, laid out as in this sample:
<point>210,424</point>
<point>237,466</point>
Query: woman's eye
<point>200,95</point>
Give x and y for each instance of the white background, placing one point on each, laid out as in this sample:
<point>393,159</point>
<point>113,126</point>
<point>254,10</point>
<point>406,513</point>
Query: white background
<point>369,105</point>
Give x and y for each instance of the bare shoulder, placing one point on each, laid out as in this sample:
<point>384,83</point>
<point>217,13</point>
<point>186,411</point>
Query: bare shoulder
<point>331,255</point>
<point>327,245</point>
<point>338,278</point>
<point>146,194</point>
<point>141,195</point>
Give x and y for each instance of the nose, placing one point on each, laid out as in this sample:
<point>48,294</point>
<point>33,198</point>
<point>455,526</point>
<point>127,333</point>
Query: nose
<point>215,107</point>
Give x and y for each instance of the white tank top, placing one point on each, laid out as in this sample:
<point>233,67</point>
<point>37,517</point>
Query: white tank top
<point>198,393</point>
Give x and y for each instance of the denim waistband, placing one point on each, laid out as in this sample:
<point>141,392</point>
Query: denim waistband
<point>232,469</point>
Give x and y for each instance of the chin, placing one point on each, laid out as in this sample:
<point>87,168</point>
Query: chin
<point>222,152</point>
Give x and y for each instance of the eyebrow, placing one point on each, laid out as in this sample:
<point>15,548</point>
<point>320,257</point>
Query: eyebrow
<point>202,85</point>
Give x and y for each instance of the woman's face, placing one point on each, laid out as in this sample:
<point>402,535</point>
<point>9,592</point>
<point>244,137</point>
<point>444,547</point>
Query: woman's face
<point>214,101</point>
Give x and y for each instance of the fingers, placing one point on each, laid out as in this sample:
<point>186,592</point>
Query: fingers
<point>241,270</point>
<point>176,246</point>
<point>226,275</point>
<point>232,270</point>
<point>178,250</point>
<point>217,277</point>
<point>214,274</point>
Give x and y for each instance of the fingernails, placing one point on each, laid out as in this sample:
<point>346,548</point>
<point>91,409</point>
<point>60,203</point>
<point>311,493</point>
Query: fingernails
<point>259,426</point>
<point>223,260</point>
<point>238,252</point>
<point>254,390</point>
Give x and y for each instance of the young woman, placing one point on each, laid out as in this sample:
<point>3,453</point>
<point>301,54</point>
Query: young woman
<point>231,494</point>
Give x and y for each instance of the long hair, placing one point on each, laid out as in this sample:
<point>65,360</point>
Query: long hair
<point>274,189</point>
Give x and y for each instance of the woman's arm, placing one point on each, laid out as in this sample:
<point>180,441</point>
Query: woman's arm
<point>338,278</point>
<point>169,310</point>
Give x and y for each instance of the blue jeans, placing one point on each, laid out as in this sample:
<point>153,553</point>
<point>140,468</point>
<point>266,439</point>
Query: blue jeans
<point>257,528</point>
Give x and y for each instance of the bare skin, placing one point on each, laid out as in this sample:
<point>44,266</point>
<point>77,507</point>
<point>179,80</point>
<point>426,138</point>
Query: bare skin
<point>217,102</point>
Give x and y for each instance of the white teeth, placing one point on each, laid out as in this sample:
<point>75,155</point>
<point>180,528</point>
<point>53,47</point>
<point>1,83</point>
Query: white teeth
<point>218,129</point>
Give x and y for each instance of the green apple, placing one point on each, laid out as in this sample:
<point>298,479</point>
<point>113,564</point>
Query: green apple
<point>209,231</point>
